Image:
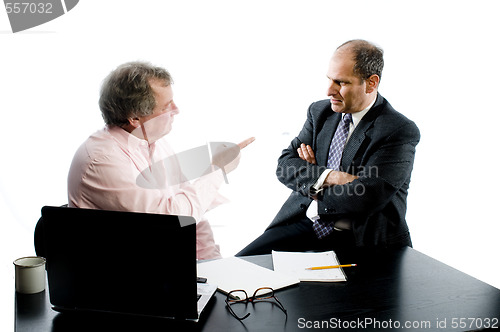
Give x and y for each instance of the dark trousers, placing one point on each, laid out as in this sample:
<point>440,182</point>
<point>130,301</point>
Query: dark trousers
<point>297,236</point>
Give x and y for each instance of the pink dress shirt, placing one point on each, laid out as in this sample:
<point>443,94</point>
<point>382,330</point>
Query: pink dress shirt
<point>115,170</point>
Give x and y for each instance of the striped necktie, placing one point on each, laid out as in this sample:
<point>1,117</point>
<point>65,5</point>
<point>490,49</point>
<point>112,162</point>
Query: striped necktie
<point>323,229</point>
<point>338,142</point>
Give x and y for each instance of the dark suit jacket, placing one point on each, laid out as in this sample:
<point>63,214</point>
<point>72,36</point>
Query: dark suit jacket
<point>380,151</point>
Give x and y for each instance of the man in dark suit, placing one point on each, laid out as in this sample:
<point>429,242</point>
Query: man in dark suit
<point>349,167</point>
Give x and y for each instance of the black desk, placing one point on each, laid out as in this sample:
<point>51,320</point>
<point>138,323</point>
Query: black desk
<point>387,289</point>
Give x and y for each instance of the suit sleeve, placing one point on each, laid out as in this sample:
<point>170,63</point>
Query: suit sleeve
<point>386,169</point>
<point>292,171</point>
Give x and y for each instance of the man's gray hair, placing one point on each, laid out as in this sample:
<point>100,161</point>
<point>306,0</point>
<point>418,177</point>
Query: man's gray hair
<point>126,92</point>
<point>368,58</point>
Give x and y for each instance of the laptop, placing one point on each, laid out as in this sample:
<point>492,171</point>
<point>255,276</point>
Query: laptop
<point>123,262</point>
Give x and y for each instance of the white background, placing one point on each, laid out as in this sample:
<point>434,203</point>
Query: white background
<point>251,68</point>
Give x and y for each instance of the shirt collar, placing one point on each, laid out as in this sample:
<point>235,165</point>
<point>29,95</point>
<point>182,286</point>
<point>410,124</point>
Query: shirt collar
<point>356,117</point>
<point>125,138</point>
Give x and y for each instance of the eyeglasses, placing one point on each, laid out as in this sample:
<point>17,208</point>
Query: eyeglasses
<point>240,296</point>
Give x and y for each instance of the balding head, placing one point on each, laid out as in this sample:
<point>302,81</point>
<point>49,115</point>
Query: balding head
<point>368,58</point>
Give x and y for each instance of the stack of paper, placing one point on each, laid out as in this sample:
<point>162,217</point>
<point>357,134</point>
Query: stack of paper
<point>233,273</point>
<point>296,264</point>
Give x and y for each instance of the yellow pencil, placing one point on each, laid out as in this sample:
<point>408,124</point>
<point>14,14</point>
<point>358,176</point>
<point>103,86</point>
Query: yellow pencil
<point>329,267</point>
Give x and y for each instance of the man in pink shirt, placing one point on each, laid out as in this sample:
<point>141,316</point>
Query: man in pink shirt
<point>127,166</point>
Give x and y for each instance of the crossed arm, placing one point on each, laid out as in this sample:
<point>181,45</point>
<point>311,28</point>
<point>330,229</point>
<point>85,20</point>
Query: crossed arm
<point>306,153</point>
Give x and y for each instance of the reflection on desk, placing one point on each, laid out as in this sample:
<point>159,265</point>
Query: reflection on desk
<point>387,289</point>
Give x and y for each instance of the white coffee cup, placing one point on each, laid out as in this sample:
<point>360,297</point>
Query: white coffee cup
<point>30,274</point>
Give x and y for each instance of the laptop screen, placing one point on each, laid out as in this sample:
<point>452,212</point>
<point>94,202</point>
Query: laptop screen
<point>125,262</point>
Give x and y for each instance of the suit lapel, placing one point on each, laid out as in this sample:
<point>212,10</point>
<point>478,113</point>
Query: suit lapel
<point>353,144</point>
<point>359,134</point>
<point>325,138</point>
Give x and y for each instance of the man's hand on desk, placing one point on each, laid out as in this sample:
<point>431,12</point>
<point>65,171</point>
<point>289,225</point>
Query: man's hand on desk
<point>306,153</point>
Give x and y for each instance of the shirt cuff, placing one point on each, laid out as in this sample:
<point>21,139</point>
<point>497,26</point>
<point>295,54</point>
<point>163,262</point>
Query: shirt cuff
<point>318,186</point>
<point>312,211</point>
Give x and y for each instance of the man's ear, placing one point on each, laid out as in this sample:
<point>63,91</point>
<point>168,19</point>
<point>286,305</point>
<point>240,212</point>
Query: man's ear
<point>134,122</point>
<point>372,83</point>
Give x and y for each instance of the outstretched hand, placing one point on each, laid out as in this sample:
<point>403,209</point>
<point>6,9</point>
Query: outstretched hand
<point>227,156</point>
<point>246,142</point>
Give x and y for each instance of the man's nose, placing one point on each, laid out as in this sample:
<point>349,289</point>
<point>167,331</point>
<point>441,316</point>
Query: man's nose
<point>333,89</point>
<point>175,110</point>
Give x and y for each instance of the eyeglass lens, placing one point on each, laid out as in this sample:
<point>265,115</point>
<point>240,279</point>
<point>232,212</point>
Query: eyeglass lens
<point>237,301</point>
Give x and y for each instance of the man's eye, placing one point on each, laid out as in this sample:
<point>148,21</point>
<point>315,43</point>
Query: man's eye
<point>338,82</point>
<point>168,108</point>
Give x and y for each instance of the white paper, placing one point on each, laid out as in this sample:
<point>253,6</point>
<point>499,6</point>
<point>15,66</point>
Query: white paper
<point>234,273</point>
<point>296,264</point>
